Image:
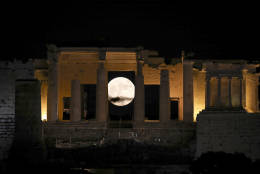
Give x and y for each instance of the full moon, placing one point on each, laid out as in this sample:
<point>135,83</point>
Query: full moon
<point>121,91</point>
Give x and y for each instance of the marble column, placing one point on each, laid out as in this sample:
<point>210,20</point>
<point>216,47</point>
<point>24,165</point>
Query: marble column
<point>240,92</point>
<point>164,109</point>
<point>188,91</point>
<point>229,92</point>
<point>52,100</point>
<point>207,95</point>
<point>244,73</point>
<point>75,101</point>
<point>101,93</point>
<point>139,106</point>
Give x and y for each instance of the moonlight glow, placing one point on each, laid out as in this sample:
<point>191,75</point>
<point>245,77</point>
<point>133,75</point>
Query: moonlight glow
<point>121,91</point>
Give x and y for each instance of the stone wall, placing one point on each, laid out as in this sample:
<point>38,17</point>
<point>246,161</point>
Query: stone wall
<point>229,132</point>
<point>9,72</point>
<point>82,134</point>
<point>7,117</point>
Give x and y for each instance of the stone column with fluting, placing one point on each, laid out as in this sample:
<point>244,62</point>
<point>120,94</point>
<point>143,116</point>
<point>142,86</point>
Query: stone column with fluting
<point>101,91</point>
<point>164,109</point>
<point>219,103</point>
<point>139,106</point>
<point>75,101</point>
<point>52,100</point>
<point>188,91</point>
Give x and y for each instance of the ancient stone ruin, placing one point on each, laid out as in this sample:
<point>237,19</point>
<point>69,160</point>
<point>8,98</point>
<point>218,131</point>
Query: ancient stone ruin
<point>192,104</point>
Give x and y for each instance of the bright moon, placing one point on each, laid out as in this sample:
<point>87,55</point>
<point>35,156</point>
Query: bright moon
<point>121,91</point>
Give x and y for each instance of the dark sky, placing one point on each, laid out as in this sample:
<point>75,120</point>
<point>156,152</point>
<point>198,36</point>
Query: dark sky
<point>210,30</point>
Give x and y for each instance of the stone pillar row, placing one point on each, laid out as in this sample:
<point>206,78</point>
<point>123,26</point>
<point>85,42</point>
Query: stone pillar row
<point>102,96</point>
<point>208,93</point>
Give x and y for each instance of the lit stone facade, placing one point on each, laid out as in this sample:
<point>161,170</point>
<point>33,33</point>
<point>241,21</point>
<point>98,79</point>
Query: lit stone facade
<point>212,85</point>
<point>173,102</point>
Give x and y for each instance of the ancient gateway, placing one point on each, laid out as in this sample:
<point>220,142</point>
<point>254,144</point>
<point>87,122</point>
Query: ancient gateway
<point>93,95</point>
<point>75,82</point>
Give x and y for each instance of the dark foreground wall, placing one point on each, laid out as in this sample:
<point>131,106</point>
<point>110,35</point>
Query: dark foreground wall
<point>229,132</point>
<point>83,134</point>
<point>28,144</point>
<point>9,73</point>
<point>90,142</point>
<point>7,116</point>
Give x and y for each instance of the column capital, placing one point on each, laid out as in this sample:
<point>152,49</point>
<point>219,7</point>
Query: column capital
<point>139,54</point>
<point>139,67</point>
<point>101,64</point>
<point>163,67</point>
<point>229,77</point>
<point>218,77</point>
<point>102,54</point>
<point>101,61</point>
<point>208,77</point>
<point>141,61</point>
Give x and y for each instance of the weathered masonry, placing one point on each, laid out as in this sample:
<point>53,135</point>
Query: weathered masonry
<point>93,95</point>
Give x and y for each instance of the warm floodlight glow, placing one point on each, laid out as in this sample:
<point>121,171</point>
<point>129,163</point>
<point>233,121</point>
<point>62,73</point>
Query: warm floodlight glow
<point>44,117</point>
<point>121,91</point>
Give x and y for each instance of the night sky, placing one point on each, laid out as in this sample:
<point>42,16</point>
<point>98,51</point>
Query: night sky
<point>209,30</point>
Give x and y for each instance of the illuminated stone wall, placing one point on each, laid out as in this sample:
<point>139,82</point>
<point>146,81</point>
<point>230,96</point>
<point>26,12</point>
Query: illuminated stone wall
<point>83,66</point>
